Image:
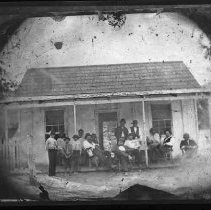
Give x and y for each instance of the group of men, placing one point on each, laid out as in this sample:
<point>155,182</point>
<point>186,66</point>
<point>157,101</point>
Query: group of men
<point>68,150</point>
<point>126,148</point>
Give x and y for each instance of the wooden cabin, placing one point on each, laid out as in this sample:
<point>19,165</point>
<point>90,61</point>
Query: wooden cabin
<point>95,98</point>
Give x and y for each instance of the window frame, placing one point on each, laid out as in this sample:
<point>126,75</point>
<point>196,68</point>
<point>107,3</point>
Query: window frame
<point>54,109</point>
<point>159,129</point>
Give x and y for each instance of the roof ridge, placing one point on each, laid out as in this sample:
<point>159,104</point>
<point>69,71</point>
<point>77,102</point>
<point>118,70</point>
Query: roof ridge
<point>98,65</point>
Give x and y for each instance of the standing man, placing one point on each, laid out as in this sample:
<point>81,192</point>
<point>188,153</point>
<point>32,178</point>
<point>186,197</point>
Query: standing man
<point>135,129</point>
<point>121,131</point>
<point>67,151</point>
<point>83,159</point>
<point>81,134</point>
<point>60,143</point>
<point>51,147</point>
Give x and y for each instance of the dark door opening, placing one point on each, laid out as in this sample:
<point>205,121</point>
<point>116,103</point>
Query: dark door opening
<point>107,125</point>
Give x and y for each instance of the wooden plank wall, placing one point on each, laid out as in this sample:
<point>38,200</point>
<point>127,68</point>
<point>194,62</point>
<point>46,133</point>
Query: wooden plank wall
<point>189,118</point>
<point>177,121</point>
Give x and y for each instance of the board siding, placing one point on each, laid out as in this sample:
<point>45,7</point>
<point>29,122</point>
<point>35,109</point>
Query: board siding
<point>189,120</point>
<point>177,121</point>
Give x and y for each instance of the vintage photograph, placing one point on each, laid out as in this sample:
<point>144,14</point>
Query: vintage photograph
<point>105,102</point>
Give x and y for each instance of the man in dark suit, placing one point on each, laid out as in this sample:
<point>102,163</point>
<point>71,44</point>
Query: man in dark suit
<point>121,130</point>
<point>135,129</point>
<point>188,146</point>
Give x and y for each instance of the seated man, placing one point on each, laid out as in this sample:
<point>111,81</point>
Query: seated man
<point>166,146</point>
<point>95,151</point>
<point>153,142</point>
<point>88,146</point>
<point>132,147</point>
<point>122,155</point>
<point>94,139</point>
<point>188,146</point>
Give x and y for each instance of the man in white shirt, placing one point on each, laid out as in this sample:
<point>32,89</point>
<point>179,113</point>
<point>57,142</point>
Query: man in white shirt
<point>94,150</point>
<point>81,135</point>
<point>51,146</point>
<point>121,152</point>
<point>88,145</point>
<point>132,146</point>
<point>154,143</point>
<point>76,148</point>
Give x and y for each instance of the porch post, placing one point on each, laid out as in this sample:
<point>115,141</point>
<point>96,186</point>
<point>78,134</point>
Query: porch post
<point>74,113</point>
<point>196,119</point>
<point>209,111</point>
<point>6,124</point>
<point>144,133</point>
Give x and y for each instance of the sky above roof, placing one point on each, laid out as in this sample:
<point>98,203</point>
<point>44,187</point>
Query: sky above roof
<point>84,40</point>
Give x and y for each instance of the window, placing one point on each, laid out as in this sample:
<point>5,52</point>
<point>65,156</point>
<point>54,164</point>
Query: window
<point>54,120</point>
<point>161,116</point>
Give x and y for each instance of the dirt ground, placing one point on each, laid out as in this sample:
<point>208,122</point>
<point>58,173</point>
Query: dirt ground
<point>191,179</point>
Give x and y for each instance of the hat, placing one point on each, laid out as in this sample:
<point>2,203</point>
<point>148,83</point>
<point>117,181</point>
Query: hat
<point>134,122</point>
<point>76,137</point>
<point>131,134</point>
<point>122,120</point>
<point>87,134</point>
<point>52,132</point>
<point>186,135</point>
<point>121,148</point>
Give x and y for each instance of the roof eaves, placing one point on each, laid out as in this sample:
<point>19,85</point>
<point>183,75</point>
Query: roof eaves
<point>88,96</point>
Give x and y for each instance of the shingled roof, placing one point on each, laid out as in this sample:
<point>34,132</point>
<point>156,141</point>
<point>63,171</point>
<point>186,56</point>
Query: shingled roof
<point>99,79</point>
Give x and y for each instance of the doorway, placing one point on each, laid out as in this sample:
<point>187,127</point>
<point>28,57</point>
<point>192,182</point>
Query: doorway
<point>107,124</point>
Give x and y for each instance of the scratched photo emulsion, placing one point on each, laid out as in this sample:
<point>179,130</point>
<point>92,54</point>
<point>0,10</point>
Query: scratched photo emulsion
<point>106,105</point>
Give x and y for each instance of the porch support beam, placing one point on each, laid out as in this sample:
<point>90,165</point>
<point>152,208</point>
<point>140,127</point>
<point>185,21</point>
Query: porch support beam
<point>100,101</point>
<point>75,119</point>
<point>144,133</point>
<point>6,124</point>
<point>209,111</point>
<point>118,94</point>
<point>196,119</point>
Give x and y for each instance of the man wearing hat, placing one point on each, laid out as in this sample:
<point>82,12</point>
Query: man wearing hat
<point>135,129</point>
<point>67,151</point>
<point>51,146</point>
<point>76,153</point>
<point>122,154</point>
<point>121,130</point>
